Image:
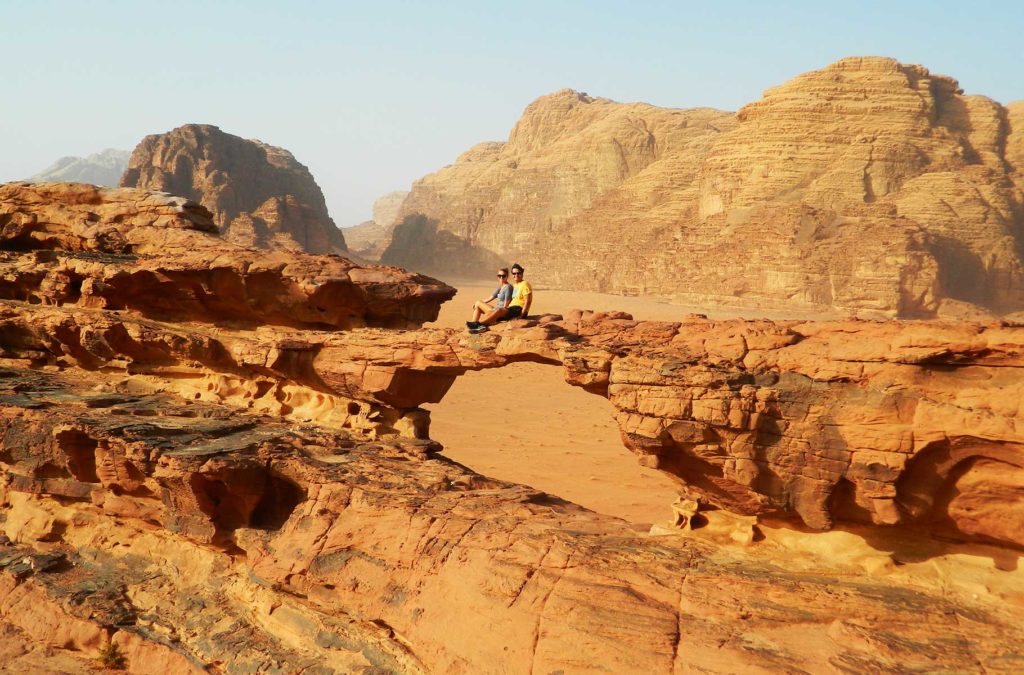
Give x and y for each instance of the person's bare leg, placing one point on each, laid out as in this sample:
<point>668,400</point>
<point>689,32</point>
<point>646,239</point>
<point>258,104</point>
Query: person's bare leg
<point>479,309</point>
<point>493,317</point>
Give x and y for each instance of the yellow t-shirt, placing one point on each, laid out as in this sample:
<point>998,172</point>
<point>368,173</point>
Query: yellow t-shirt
<point>519,293</point>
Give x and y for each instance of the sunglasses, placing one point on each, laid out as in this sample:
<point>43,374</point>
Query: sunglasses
<point>517,274</point>
<point>502,276</point>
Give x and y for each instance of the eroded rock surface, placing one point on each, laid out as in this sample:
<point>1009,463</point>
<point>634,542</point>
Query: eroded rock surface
<point>120,248</point>
<point>868,186</point>
<point>259,195</point>
<point>189,533</point>
<point>246,494</point>
<point>882,423</point>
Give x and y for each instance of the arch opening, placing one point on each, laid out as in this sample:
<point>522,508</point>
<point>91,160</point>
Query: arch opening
<point>523,423</point>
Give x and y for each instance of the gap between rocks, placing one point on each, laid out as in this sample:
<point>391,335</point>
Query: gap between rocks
<point>524,424</point>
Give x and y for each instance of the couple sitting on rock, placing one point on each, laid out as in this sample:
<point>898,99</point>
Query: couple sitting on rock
<point>513,301</point>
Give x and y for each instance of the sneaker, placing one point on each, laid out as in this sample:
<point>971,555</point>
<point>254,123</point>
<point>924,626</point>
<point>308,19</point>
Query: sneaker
<point>479,329</point>
<point>472,324</point>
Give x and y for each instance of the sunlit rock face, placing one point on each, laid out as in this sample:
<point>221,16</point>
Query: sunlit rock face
<point>868,186</point>
<point>214,457</point>
<point>259,195</point>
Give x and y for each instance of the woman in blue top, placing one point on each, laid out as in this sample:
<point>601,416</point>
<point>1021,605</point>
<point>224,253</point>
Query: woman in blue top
<point>503,294</point>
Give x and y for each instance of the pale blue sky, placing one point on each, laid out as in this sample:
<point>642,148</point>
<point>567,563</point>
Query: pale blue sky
<point>372,95</point>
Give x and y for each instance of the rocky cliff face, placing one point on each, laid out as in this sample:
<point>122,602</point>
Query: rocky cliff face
<point>259,195</point>
<point>368,240</point>
<point>102,168</point>
<point>191,476</point>
<point>868,186</point>
<point>567,153</point>
<point>387,208</point>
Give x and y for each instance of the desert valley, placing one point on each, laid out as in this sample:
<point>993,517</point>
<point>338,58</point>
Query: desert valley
<point>765,414</point>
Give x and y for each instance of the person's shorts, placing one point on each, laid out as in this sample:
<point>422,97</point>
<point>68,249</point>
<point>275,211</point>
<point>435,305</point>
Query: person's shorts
<point>513,313</point>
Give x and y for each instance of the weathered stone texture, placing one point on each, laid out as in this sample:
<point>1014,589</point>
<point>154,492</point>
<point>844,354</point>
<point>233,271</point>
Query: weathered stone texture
<point>122,248</point>
<point>205,534</point>
<point>259,195</point>
<point>207,486</point>
<point>868,186</point>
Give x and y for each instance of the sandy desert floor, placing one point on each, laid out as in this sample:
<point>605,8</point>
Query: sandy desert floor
<point>523,423</point>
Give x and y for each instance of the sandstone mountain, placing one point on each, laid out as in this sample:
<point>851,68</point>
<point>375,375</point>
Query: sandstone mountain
<point>369,239</point>
<point>260,196</point>
<point>102,168</point>
<point>868,186</point>
<point>387,208</point>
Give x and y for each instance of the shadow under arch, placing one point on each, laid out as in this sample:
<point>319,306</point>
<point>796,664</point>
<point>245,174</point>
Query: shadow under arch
<point>935,490</point>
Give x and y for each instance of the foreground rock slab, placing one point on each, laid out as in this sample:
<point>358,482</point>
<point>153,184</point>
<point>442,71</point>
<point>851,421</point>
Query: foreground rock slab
<point>126,249</point>
<point>192,534</point>
<point>892,424</point>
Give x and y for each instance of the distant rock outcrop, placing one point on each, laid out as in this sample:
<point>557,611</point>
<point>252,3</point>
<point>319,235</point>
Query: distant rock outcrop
<point>387,207</point>
<point>102,168</point>
<point>500,201</point>
<point>868,186</point>
<point>259,195</point>
<point>369,239</point>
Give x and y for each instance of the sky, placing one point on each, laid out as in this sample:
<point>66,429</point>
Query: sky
<point>372,95</point>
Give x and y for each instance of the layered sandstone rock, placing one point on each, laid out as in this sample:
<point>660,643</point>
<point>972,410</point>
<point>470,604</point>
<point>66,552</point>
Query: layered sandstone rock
<point>868,186</point>
<point>567,152</point>
<point>209,534</point>
<point>200,492</point>
<point>259,195</point>
<point>909,425</point>
<point>121,248</point>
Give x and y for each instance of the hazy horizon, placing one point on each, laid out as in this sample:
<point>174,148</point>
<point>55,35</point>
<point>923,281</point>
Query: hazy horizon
<point>372,98</point>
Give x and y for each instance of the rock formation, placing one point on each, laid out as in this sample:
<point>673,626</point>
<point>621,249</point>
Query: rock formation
<point>259,195</point>
<point>387,208</point>
<point>368,240</point>
<point>192,487</point>
<point>101,168</point>
<point>123,248</point>
<point>869,187</point>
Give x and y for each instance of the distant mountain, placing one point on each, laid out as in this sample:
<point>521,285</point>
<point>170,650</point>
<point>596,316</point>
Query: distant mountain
<point>102,168</point>
<point>260,195</point>
<point>869,187</point>
<point>369,239</point>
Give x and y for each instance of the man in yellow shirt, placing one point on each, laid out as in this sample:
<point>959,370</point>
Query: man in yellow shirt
<point>518,308</point>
